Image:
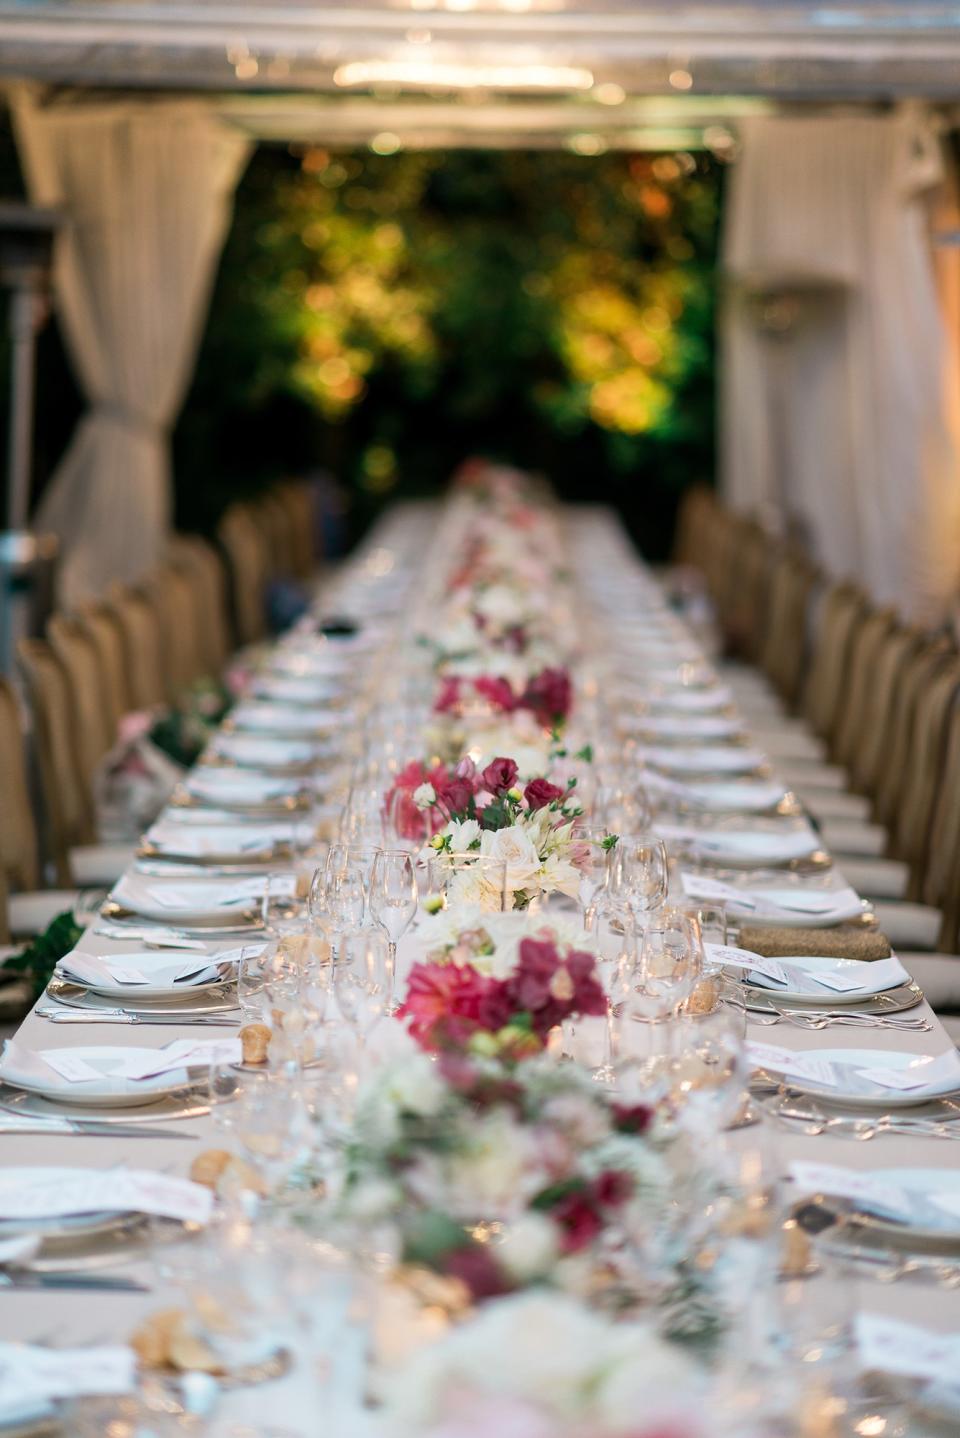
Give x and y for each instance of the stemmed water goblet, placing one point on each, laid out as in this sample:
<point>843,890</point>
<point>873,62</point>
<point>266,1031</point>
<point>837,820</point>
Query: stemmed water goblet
<point>594,841</point>
<point>393,899</point>
<point>640,875</point>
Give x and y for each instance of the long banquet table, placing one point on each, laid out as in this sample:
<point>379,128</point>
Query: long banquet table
<point>79,1318</point>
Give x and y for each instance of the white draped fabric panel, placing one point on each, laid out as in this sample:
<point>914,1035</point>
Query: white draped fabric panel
<point>839,379</point>
<point>147,188</point>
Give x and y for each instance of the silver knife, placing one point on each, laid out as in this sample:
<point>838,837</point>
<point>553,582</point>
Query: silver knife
<point>27,1278</point>
<point>92,1129</point>
<point>125,1016</point>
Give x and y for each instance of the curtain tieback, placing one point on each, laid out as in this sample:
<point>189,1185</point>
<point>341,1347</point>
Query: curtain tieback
<point>128,418</point>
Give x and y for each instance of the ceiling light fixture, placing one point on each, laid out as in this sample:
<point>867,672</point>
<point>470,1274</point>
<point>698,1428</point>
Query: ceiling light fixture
<point>426,74</point>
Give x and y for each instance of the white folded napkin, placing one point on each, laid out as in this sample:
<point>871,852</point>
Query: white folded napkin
<point>145,969</point>
<point>317,690</point>
<point>804,973</point>
<point>687,701</point>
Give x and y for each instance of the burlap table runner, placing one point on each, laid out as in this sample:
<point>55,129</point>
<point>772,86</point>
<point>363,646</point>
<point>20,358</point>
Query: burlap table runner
<point>838,943</point>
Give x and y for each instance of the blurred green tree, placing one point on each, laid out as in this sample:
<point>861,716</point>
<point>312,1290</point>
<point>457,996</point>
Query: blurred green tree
<point>384,315</point>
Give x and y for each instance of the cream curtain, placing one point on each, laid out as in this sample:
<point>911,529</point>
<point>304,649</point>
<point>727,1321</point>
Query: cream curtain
<point>147,189</point>
<point>838,375</point>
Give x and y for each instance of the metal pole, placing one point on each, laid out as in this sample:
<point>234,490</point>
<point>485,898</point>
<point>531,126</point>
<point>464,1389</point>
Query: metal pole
<point>24,322</point>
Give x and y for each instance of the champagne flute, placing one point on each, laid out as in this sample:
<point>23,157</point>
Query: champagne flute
<point>393,901</point>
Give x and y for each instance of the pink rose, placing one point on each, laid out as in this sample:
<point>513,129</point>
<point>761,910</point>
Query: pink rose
<point>549,696</point>
<point>496,691</point>
<point>540,792</point>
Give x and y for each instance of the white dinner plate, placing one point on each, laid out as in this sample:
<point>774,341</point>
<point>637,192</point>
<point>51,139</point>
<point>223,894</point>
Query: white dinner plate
<point>267,718</point>
<point>158,970</point>
<point>105,1092</point>
<point>923,1218</point>
<point>703,759</point>
<point>855,1091</point>
<point>190,901</point>
<point>873,978</point>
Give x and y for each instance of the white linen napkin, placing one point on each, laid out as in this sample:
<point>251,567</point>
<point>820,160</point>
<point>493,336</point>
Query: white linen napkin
<point>706,759</point>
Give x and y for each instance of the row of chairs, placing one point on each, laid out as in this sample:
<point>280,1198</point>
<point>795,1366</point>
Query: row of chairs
<point>860,712</point>
<point>139,647</point>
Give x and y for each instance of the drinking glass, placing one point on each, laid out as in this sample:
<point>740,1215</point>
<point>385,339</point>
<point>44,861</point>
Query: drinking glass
<point>643,873</point>
<point>592,840</point>
<point>346,891</point>
<point>251,983</point>
<point>393,896</point>
<point>283,911</point>
<point>669,964</point>
<point>361,1003</point>
<point>709,1072</point>
<point>619,984</point>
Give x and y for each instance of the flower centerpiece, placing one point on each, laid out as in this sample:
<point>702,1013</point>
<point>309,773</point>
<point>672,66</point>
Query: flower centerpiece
<point>526,834</point>
<point>453,1007</point>
<point>500,1177</point>
<point>547,695</point>
<point>540,1365</point>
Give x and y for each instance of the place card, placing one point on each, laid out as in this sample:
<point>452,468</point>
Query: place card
<point>887,1345</point>
<point>876,975</point>
<point>791,1064</point>
<point>29,1373</point>
<point>828,1178</point>
<point>182,1053</point>
<point>714,891</point>
<point>734,958</point>
<point>69,1066</point>
<point>56,1193</point>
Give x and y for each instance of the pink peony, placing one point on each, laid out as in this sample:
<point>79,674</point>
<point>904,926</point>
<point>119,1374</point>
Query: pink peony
<point>446,1004</point>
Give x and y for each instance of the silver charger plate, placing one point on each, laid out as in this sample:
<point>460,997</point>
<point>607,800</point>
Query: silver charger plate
<point>75,997</point>
<point>184,1104</point>
<point>70,1227</point>
<point>891,1001</point>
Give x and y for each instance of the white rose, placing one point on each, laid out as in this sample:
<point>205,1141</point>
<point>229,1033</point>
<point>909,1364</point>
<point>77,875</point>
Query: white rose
<point>424,796</point>
<point>514,848</point>
<point>414,1087</point>
<point>529,1246</point>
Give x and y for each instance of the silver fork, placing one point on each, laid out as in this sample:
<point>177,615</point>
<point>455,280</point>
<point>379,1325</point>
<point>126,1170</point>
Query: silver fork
<point>833,1018</point>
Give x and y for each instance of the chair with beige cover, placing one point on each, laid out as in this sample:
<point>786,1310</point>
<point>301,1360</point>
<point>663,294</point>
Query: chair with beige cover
<point>248,564</point>
<point>94,733</point>
<point>696,516</point>
<point>783,651</point>
<point>296,495</point>
<point>99,624</point>
<point>66,784</point>
<point>203,569</point>
<point>139,630</point>
<point>904,895</point>
<point>171,595</point>
<point>28,910</point>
